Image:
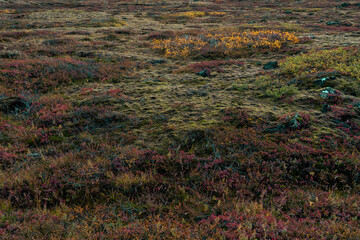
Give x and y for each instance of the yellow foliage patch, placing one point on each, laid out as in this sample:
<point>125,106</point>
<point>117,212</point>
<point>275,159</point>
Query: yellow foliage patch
<point>216,13</point>
<point>224,43</point>
<point>7,11</point>
<point>189,14</point>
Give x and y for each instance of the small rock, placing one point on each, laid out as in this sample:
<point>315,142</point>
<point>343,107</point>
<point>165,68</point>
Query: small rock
<point>9,54</point>
<point>294,123</point>
<point>271,65</point>
<point>204,73</point>
<point>343,5</point>
<point>123,31</point>
<point>85,54</point>
<point>333,23</point>
<point>321,81</point>
<point>325,93</point>
<point>157,61</point>
<point>325,108</point>
<point>12,104</point>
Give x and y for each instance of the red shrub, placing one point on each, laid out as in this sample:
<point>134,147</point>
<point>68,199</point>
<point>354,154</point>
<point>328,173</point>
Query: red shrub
<point>43,75</point>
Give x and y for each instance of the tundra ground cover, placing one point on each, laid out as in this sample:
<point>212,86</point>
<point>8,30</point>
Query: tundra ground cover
<point>44,75</point>
<point>343,60</point>
<point>224,44</point>
<point>251,132</point>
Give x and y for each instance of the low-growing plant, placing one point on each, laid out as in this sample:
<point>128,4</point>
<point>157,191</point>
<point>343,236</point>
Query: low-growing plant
<point>7,11</point>
<point>224,44</point>
<point>23,34</point>
<point>237,117</point>
<point>160,35</point>
<point>280,92</point>
<point>186,15</point>
<point>216,13</point>
<point>110,22</point>
<point>343,60</point>
<point>86,154</point>
<point>47,74</point>
<point>214,65</point>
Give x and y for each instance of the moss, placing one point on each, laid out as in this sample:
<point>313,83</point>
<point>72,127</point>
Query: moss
<point>348,86</point>
<point>283,91</point>
<point>343,60</point>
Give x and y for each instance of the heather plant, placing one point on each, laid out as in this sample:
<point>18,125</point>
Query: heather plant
<point>295,121</point>
<point>55,111</point>
<point>17,133</point>
<point>8,36</point>
<point>7,158</point>
<point>47,74</point>
<point>238,118</point>
<point>129,171</point>
<point>49,111</point>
